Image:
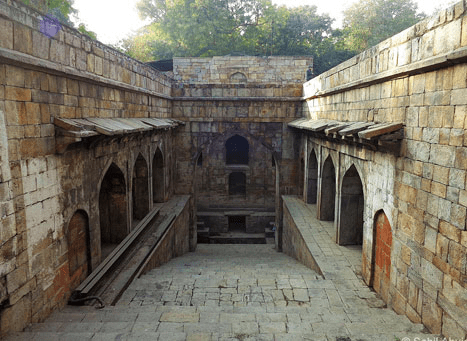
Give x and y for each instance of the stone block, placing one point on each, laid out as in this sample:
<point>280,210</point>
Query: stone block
<point>430,239</point>
<point>438,189</point>
<point>22,38</point>
<point>431,314</point>
<point>33,112</point>
<point>17,94</point>
<point>457,256</point>
<point>443,155</point>
<point>40,45</point>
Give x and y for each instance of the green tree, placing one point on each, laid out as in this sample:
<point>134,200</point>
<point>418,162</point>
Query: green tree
<point>63,10</point>
<point>369,22</point>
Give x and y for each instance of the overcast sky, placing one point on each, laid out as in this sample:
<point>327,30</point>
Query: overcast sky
<point>113,20</point>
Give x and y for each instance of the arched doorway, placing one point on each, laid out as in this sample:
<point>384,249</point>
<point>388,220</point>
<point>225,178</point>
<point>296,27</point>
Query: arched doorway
<point>312,178</point>
<point>382,244</point>
<point>112,210</point>
<point>158,177</point>
<point>79,254</point>
<point>328,191</point>
<point>140,189</point>
<point>351,212</point>
<point>237,151</point>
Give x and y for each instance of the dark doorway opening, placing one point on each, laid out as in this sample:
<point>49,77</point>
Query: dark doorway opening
<point>237,183</point>
<point>112,210</point>
<point>352,206</point>
<point>237,223</point>
<point>237,149</point>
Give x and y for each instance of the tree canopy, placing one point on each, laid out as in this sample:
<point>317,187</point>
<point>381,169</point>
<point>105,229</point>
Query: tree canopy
<point>369,22</point>
<point>62,10</point>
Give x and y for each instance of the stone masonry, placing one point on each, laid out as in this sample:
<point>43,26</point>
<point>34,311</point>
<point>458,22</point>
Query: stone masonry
<point>79,167</point>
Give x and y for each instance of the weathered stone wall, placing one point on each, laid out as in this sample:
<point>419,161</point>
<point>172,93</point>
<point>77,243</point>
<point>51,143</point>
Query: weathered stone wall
<point>247,69</point>
<point>66,76</point>
<point>417,77</point>
<point>253,97</point>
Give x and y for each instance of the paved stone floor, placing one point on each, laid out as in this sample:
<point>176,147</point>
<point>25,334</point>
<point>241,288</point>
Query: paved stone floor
<point>239,292</point>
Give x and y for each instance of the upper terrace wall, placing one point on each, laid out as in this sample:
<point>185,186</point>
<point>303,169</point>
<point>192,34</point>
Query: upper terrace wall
<point>219,70</point>
<point>64,76</point>
<point>419,78</point>
<point>220,97</point>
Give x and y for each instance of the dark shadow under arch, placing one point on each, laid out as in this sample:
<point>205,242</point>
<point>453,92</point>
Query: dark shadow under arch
<point>351,209</point>
<point>112,209</point>
<point>328,191</point>
<point>237,150</point>
<point>312,178</point>
<point>140,188</point>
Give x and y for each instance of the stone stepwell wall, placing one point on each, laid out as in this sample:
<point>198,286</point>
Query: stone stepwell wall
<point>418,77</point>
<point>227,69</point>
<point>66,75</point>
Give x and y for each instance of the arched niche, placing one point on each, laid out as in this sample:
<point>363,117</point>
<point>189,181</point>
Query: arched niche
<point>140,188</point>
<point>237,151</point>
<point>351,209</point>
<point>158,183</point>
<point>112,209</point>
<point>382,243</point>
<point>312,189</point>
<point>328,191</point>
<point>79,255</point>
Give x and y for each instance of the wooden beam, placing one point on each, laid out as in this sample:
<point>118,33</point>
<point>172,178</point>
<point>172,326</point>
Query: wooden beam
<point>377,131</point>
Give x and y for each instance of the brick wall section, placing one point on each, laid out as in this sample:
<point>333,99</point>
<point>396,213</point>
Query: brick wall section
<point>409,78</point>
<point>67,76</point>
<point>219,70</point>
<point>217,103</point>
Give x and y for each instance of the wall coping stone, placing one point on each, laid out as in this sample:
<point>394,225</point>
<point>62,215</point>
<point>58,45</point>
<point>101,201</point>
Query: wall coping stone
<point>430,64</point>
<point>35,63</point>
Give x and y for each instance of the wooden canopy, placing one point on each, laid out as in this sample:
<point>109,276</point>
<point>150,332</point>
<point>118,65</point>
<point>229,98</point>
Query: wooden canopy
<point>72,130</point>
<point>383,136</point>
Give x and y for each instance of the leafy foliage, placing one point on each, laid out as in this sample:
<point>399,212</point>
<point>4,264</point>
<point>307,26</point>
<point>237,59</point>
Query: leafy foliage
<point>369,22</point>
<point>203,28</point>
<point>63,10</point>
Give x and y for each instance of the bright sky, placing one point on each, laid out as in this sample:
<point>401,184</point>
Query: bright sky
<point>113,20</point>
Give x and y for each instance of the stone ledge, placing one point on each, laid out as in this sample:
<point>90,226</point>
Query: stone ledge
<point>34,63</point>
<point>425,65</point>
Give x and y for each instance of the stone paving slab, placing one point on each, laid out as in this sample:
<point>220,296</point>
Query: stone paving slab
<point>234,292</point>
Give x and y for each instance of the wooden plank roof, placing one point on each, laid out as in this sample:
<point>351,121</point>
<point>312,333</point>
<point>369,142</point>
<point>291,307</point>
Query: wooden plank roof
<point>113,126</point>
<point>362,130</point>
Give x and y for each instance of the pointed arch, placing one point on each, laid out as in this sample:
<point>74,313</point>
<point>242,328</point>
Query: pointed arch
<point>328,191</point>
<point>140,192</point>
<point>158,176</point>
<point>312,178</point>
<point>112,208</point>
<point>79,254</point>
<point>382,243</point>
<point>237,150</point>
<point>351,209</point>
